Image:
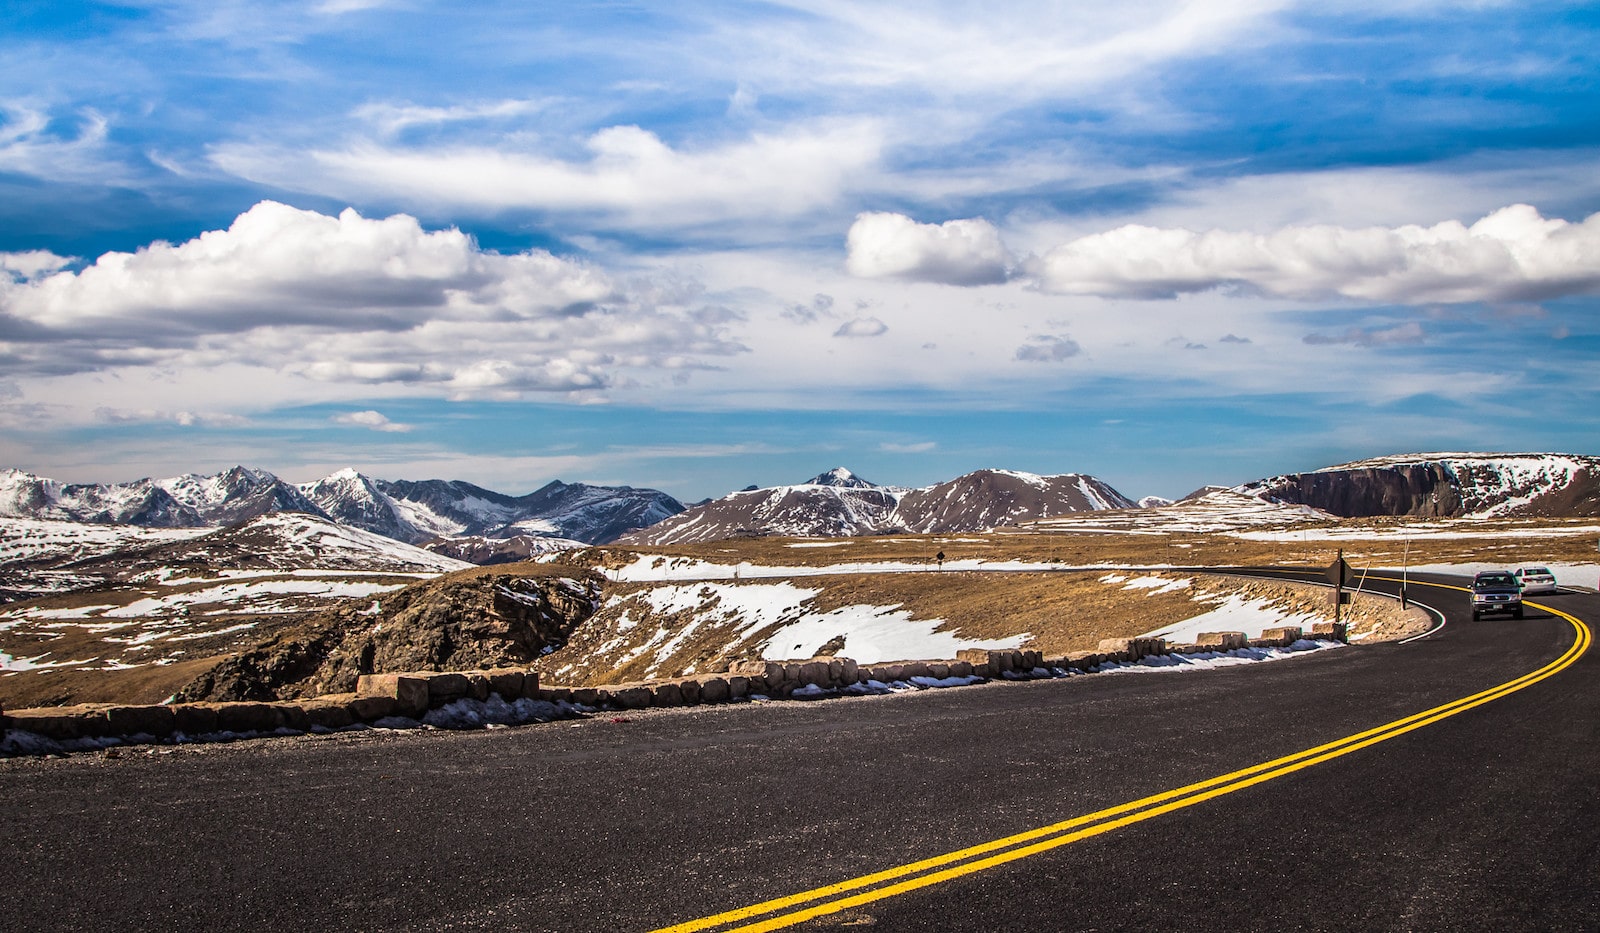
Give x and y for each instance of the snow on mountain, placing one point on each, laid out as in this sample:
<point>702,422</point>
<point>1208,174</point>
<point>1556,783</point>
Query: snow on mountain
<point>840,504</point>
<point>418,511</point>
<point>1151,502</point>
<point>1444,485</point>
<point>840,477</point>
<point>180,502</point>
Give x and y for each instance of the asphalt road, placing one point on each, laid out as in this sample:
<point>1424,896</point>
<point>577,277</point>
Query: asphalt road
<point>1484,820</point>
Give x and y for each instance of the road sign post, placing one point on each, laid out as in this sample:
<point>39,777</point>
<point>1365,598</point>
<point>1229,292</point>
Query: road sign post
<point>1337,573</point>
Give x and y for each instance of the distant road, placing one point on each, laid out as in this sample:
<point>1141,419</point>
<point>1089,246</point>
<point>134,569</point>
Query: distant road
<point>1482,820</point>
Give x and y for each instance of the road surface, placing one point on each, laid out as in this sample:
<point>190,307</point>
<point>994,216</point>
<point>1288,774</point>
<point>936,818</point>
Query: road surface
<point>1485,819</point>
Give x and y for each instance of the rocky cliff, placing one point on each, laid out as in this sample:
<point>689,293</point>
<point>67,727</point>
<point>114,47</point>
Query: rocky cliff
<point>1444,486</point>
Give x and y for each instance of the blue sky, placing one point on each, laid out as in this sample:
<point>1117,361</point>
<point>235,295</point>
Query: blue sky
<point>706,245</point>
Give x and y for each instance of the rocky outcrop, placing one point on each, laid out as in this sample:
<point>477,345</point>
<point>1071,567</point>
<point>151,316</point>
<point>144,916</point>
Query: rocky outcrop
<point>1444,486</point>
<point>473,620</point>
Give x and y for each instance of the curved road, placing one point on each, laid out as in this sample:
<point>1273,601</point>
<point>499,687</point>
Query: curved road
<point>883,812</point>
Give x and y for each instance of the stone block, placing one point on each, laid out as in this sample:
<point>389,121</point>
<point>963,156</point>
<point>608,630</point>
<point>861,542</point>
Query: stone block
<point>738,687</point>
<point>849,671</point>
<point>979,658</point>
<point>448,688</point>
<point>586,696</point>
<point>632,696</point>
<point>508,683</point>
<point>1281,637</point>
<point>133,720</point>
<point>938,669</point>
<point>689,687</point>
<point>813,672</point>
<point>293,716</point>
<point>61,723</point>
<point>914,669</point>
<point>1331,631</point>
<point>329,712</point>
<point>194,718</point>
<point>1222,641</point>
<point>960,668</point>
<point>372,709</point>
<point>667,693</point>
<point>410,691</point>
<point>713,689</point>
<point>247,717</point>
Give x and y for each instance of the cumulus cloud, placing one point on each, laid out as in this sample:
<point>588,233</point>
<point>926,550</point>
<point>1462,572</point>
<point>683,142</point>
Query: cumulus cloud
<point>956,252</point>
<point>1048,349</point>
<point>862,327</point>
<point>1513,254</point>
<point>353,299</point>
<point>375,420</point>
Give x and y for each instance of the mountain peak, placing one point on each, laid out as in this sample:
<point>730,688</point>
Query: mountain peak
<point>839,476</point>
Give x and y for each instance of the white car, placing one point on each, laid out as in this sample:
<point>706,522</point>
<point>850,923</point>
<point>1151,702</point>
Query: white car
<point>1536,580</point>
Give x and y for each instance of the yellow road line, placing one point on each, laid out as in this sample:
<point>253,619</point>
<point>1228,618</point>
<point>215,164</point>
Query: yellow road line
<point>951,865</point>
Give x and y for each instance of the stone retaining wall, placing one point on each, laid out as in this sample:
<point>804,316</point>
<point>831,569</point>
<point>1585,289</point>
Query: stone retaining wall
<point>411,695</point>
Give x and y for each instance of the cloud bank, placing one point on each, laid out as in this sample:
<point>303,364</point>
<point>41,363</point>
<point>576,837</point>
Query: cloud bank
<point>1513,254</point>
<point>350,299</point>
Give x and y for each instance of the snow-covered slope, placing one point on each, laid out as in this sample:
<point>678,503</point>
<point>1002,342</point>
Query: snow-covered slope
<point>840,504</point>
<point>1444,485</point>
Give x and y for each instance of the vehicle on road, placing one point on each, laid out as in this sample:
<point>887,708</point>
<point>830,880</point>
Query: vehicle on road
<point>1496,591</point>
<point>1535,580</point>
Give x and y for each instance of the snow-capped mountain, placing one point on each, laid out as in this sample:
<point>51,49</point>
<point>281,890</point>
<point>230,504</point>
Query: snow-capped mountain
<point>988,499</point>
<point>420,511</point>
<point>840,504</point>
<point>834,504</point>
<point>1444,485</point>
<point>410,511</point>
<point>179,502</point>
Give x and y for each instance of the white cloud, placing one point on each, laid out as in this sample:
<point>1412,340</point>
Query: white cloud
<point>957,252</point>
<point>353,299</point>
<point>630,173</point>
<point>375,420</point>
<point>1513,254</point>
<point>32,263</point>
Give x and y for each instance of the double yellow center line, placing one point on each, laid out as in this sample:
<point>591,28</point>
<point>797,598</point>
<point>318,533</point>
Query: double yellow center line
<point>797,908</point>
